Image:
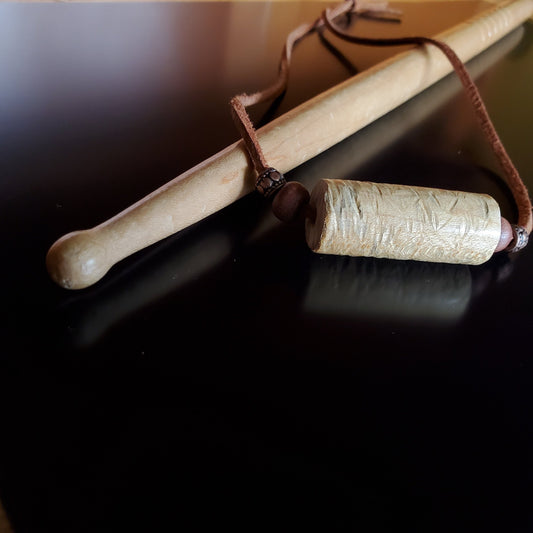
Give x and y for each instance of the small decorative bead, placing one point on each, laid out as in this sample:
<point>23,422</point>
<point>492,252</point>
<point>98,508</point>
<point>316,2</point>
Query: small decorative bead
<point>520,239</point>
<point>290,201</point>
<point>506,236</point>
<point>269,181</point>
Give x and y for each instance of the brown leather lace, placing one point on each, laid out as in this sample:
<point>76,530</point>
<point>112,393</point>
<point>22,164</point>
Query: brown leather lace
<point>240,102</point>
<point>242,120</point>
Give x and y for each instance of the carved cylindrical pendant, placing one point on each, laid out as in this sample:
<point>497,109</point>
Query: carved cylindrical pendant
<point>402,222</point>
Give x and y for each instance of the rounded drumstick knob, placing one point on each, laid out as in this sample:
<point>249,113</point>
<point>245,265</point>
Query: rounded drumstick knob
<point>81,258</point>
<point>78,260</point>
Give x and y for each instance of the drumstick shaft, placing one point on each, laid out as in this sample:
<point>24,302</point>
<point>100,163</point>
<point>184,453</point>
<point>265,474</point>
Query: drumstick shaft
<point>81,258</point>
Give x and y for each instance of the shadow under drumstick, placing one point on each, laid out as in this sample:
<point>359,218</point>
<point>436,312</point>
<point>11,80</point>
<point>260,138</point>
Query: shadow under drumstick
<point>92,315</point>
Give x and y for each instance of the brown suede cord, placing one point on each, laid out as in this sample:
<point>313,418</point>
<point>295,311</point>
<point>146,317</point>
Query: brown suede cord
<point>510,173</point>
<point>240,102</point>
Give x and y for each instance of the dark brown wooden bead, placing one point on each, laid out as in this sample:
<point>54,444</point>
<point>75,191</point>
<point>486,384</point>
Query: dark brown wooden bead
<point>290,201</point>
<point>506,236</point>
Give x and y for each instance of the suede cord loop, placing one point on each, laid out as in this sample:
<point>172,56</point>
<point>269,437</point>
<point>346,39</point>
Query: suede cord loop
<point>376,11</point>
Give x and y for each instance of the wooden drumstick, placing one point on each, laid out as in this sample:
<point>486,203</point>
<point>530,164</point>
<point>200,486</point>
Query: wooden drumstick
<point>81,258</point>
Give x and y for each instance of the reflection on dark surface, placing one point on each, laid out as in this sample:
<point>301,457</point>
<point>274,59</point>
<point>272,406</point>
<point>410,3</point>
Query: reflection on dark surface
<point>376,288</point>
<point>167,272</point>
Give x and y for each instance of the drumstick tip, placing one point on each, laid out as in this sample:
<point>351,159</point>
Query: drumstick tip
<point>77,260</point>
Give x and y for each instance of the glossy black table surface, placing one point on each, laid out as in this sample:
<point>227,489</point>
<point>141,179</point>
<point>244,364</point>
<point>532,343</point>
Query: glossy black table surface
<point>227,376</point>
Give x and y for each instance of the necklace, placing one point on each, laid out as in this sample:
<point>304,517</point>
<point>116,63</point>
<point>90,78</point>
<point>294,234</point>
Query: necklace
<point>357,218</point>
